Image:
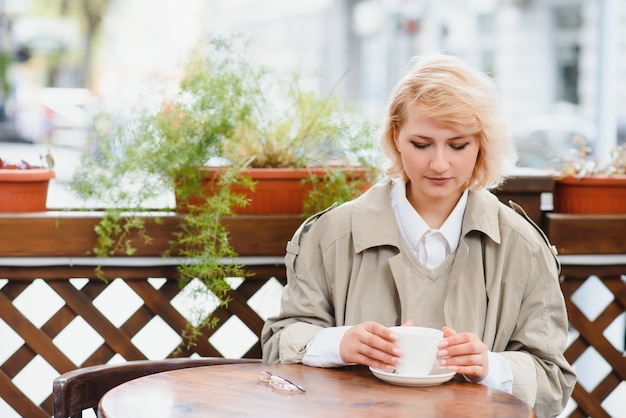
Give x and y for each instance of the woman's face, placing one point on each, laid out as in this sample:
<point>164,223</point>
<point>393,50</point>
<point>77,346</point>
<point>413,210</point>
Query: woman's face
<point>438,160</point>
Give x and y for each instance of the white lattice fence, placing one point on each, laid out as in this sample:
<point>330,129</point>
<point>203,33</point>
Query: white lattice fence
<point>57,318</point>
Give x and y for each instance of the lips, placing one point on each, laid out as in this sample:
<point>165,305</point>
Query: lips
<point>439,180</point>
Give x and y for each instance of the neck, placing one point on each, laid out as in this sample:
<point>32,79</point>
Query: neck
<point>434,211</point>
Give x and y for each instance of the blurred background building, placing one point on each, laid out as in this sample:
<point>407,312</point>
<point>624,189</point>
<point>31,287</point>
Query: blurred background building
<point>556,62</point>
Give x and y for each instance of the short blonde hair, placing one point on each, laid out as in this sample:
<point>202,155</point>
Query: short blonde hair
<point>444,88</point>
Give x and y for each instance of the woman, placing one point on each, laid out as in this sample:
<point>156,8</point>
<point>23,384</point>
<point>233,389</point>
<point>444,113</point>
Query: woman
<point>430,246</point>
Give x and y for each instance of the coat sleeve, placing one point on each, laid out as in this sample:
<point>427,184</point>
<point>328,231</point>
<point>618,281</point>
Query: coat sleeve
<point>541,374</point>
<point>306,304</point>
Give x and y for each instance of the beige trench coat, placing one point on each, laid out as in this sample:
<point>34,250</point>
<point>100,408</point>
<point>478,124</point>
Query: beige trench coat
<point>343,267</point>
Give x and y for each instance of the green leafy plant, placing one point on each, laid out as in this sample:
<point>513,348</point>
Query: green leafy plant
<point>228,112</point>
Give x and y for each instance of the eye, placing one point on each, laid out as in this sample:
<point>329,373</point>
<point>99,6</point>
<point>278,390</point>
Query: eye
<point>459,147</point>
<point>418,145</point>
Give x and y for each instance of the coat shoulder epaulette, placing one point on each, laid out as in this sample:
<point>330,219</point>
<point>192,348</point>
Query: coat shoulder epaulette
<point>293,244</point>
<point>517,208</point>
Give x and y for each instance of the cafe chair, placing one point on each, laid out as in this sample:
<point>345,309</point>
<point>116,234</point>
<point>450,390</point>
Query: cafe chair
<point>82,388</point>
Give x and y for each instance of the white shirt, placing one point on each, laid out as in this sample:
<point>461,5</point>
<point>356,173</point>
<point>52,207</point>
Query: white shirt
<point>431,246</point>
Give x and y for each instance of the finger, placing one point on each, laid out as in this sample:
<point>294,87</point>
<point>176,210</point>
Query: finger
<point>462,349</point>
<point>454,339</point>
<point>473,373</point>
<point>370,344</point>
<point>381,343</point>
<point>469,360</point>
<point>448,332</point>
<point>384,356</point>
<point>379,330</point>
<point>378,358</point>
<point>375,363</point>
<point>383,340</point>
<point>474,366</point>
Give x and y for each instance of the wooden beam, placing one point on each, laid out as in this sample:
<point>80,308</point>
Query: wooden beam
<point>587,234</point>
<point>71,234</point>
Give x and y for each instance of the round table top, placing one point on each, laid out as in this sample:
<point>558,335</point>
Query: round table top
<point>234,390</point>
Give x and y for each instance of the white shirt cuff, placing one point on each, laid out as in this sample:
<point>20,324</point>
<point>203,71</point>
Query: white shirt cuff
<point>500,375</point>
<point>323,349</point>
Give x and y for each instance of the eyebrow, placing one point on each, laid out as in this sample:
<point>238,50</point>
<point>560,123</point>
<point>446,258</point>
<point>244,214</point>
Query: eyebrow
<point>447,139</point>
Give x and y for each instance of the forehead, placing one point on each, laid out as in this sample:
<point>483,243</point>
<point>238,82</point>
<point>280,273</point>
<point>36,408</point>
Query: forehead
<point>421,124</point>
<point>457,116</point>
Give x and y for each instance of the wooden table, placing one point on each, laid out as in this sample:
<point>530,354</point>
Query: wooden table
<point>235,391</point>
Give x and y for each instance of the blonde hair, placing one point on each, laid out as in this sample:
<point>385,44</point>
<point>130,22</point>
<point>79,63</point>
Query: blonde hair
<point>444,88</point>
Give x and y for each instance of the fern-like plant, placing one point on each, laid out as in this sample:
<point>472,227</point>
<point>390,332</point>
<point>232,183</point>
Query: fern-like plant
<point>231,112</point>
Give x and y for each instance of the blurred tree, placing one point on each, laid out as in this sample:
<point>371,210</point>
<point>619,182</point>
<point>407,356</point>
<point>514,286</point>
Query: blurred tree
<point>5,86</point>
<point>91,13</point>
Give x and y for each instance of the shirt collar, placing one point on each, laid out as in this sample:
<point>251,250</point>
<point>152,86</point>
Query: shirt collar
<point>413,226</point>
<point>374,223</point>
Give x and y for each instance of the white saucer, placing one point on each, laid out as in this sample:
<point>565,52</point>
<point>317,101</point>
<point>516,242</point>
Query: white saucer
<point>436,378</point>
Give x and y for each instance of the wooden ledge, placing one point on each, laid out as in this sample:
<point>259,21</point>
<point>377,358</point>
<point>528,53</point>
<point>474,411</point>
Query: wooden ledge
<point>587,234</point>
<point>71,234</point>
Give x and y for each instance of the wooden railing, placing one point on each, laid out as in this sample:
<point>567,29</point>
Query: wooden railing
<point>593,247</point>
<point>55,248</point>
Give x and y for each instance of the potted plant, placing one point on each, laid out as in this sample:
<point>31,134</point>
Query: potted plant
<point>229,120</point>
<point>294,146</point>
<point>586,185</point>
<point>24,186</point>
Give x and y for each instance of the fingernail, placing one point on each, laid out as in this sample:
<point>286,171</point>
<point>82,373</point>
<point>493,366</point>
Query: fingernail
<point>442,343</point>
<point>393,336</point>
<point>395,360</point>
<point>442,353</point>
<point>441,362</point>
<point>397,352</point>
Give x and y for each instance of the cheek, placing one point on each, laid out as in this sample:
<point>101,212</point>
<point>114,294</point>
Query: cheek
<point>415,161</point>
<point>469,163</point>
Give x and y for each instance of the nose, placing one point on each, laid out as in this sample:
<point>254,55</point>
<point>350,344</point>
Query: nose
<point>439,162</point>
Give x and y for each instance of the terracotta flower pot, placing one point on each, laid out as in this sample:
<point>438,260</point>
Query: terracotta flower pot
<point>277,191</point>
<point>590,195</point>
<point>24,190</point>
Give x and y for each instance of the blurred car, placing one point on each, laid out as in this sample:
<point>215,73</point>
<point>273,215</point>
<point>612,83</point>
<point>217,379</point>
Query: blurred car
<point>547,137</point>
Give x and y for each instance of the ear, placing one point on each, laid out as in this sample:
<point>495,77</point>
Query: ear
<point>394,135</point>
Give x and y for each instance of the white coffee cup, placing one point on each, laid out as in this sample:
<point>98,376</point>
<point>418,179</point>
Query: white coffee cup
<point>419,349</point>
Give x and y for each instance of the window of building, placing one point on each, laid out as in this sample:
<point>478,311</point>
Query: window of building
<point>567,23</point>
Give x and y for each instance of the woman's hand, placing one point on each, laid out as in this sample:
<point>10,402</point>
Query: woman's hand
<point>463,353</point>
<point>371,344</point>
